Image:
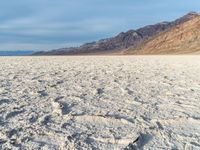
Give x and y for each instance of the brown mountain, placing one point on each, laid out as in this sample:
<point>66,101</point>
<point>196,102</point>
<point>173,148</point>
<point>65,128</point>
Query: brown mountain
<point>124,40</point>
<point>181,39</point>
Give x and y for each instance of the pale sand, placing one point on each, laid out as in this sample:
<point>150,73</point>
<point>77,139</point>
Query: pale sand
<point>132,102</point>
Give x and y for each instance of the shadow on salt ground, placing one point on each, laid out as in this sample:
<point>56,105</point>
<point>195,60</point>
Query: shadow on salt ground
<point>140,142</point>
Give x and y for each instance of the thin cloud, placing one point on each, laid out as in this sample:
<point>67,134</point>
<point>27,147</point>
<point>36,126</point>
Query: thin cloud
<point>44,24</point>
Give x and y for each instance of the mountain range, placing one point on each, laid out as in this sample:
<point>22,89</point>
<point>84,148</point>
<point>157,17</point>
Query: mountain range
<point>176,37</point>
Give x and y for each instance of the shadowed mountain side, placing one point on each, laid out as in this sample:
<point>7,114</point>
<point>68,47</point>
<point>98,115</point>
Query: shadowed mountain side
<point>124,40</point>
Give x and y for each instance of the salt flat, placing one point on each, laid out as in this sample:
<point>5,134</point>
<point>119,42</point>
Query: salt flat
<point>100,102</point>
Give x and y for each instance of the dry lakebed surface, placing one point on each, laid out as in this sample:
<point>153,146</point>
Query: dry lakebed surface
<point>100,102</point>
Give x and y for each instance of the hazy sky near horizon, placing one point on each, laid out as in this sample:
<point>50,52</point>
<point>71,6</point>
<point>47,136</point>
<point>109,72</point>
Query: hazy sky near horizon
<point>50,24</point>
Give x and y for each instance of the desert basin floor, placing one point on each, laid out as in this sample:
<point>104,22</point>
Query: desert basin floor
<point>100,102</point>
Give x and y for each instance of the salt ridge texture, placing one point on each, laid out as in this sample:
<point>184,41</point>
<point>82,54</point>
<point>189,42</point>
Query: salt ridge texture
<point>100,102</point>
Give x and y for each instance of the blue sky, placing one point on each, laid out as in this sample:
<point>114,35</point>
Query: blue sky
<point>50,24</point>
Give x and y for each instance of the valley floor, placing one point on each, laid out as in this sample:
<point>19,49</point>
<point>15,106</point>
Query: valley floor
<point>100,102</point>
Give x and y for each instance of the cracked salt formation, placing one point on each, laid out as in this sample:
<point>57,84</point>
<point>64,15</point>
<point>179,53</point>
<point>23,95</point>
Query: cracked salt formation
<point>100,102</point>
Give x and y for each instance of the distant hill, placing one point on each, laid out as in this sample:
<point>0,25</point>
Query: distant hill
<point>16,53</point>
<point>125,40</point>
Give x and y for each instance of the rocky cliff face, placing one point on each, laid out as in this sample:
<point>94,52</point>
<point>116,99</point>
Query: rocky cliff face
<point>124,40</point>
<point>181,39</point>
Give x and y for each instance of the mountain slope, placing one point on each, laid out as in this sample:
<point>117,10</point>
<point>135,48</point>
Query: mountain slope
<point>124,40</point>
<point>181,39</point>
